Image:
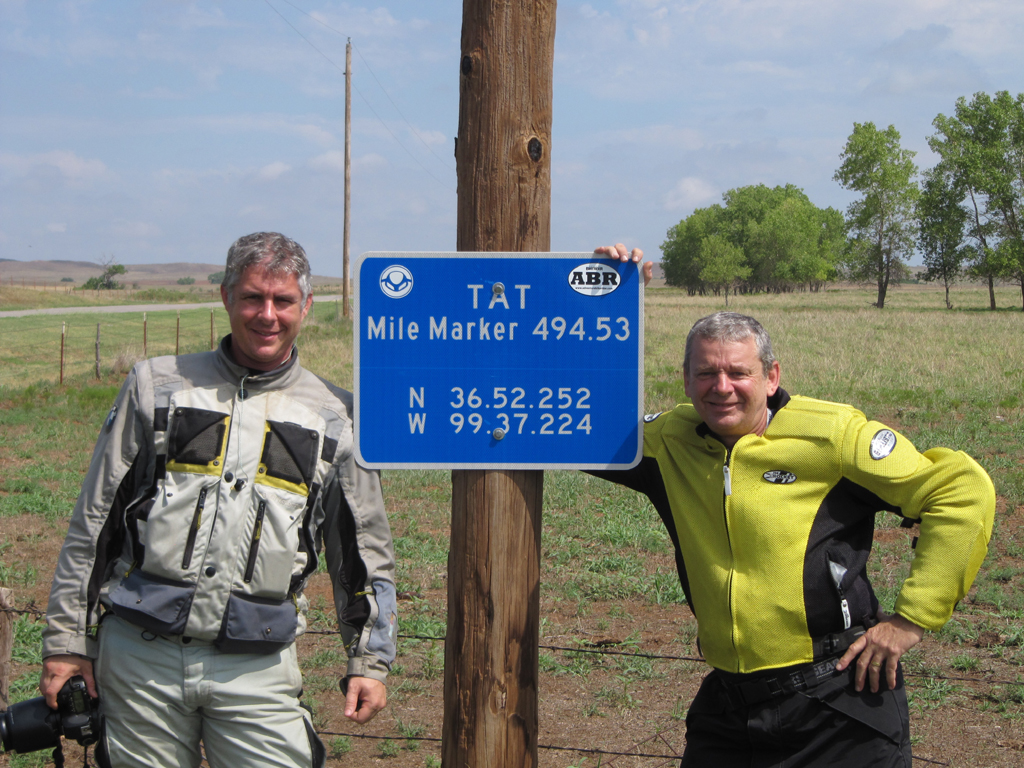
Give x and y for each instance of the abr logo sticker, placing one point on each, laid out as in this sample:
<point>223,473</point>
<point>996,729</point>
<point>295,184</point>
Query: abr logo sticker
<point>594,279</point>
<point>882,444</point>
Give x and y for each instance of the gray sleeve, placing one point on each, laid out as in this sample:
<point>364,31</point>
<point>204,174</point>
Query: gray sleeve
<point>361,561</point>
<point>71,614</point>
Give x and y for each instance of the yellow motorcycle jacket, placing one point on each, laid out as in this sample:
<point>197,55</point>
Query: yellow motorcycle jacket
<point>772,538</point>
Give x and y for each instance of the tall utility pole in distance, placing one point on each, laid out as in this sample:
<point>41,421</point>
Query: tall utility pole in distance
<point>348,178</point>
<point>503,158</point>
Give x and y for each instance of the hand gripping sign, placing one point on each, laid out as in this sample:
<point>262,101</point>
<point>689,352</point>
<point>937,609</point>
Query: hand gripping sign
<point>498,360</point>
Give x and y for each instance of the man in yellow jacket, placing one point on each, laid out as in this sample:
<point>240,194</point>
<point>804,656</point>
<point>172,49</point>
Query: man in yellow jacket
<point>770,501</point>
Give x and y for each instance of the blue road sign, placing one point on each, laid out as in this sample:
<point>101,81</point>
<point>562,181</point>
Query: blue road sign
<point>498,360</point>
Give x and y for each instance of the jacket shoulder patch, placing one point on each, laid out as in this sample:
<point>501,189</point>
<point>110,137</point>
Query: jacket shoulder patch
<point>882,444</point>
<point>652,416</point>
<point>779,477</point>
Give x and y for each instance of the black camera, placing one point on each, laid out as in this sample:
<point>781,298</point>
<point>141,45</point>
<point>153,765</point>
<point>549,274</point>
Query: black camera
<point>31,725</point>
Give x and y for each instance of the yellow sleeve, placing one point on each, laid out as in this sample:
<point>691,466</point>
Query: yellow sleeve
<point>948,493</point>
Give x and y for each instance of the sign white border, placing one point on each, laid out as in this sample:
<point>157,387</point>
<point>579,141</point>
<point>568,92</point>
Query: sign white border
<point>585,256</point>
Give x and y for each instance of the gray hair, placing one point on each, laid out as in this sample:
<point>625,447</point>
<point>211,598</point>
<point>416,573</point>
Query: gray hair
<point>731,326</point>
<point>271,251</point>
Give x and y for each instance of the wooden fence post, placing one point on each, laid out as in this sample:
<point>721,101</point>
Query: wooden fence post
<point>63,333</point>
<point>6,645</point>
<point>145,335</point>
<point>97,350</point>
<point>211,331</point>
<point>177,333</point>
<point>504,204</point>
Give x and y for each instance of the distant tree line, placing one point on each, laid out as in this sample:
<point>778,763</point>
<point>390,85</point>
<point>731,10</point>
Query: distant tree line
<point>964,216</point>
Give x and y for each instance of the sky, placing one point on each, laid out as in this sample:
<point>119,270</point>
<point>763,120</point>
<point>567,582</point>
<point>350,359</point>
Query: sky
<point>153,131</point>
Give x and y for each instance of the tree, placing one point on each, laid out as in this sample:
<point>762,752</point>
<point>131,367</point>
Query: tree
<point>796,244</point>
<point>681,251</point>
<point>941,222</point>
<point>784,239</point>
<point>723,264</point>
<point>882,221</point>
<point>982,144</point>
<point>216,278</point>
<point>106,281</point>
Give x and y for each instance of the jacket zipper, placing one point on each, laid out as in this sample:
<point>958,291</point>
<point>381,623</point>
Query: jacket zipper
<point>847,621</point>
<point>725,521</point>
<point>838,572</point>
<point>193,531</point>
<point>254,546</point>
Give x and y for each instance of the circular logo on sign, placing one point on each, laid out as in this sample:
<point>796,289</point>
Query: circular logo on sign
<point>396,281</point>
<point>882,444</point>
<point>779,477</point>
<point>594,279</point>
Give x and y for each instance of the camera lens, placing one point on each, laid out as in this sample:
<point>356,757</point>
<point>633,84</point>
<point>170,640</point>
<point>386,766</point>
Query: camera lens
<point>3,730</point>
<point>29,726</point>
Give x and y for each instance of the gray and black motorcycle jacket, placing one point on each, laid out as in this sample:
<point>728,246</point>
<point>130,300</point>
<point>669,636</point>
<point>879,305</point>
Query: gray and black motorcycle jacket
<point>211,491</point>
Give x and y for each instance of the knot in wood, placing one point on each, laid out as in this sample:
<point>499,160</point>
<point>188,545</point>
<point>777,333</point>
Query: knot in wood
<point>467,64</point>
<point>535,149</point>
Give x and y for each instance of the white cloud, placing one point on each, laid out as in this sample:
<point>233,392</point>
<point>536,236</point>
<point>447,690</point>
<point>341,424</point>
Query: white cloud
<point>134,229</point>
<point>329,161</point>
<point>57,227</point>
<point>689,193</point>
<point>370,162</point>
<point>313,133</point>
<point>72,167</point>
<point>274,170</point>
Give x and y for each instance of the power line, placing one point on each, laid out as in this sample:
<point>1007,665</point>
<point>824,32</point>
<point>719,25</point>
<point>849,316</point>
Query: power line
<point>365,101</point>
<point>379,83</point>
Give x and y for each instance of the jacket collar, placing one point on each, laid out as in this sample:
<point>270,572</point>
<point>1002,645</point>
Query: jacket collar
<point>284,375</point>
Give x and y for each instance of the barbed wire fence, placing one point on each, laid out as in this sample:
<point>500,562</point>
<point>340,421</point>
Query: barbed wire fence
<point>51,348</point>
<point>669,741</point>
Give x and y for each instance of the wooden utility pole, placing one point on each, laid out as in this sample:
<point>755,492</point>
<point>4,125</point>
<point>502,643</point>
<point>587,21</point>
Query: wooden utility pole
<point>503,158</point>
<point>348,176</point>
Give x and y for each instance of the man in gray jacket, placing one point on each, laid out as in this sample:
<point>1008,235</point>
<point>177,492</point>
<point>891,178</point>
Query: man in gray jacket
<point>215,482</point>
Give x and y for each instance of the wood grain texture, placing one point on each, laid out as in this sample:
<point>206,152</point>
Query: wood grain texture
<point>503,158</point>
<point>491,652</point>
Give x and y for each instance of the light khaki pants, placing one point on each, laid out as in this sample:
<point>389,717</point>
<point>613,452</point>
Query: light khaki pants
<point>163,696</point>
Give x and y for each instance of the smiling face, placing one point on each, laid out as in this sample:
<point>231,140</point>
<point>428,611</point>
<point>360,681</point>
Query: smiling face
<point>728,387</point>
<point>266,313</point>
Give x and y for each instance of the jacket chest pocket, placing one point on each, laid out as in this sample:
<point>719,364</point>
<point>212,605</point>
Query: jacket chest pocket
<point>288,458</point>
<point>197,441</point>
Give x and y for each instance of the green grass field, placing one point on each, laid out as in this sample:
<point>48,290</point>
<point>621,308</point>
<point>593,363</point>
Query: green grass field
<point>941,377</point>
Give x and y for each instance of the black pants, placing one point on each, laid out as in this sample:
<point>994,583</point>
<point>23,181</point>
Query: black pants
<point>831,725</point>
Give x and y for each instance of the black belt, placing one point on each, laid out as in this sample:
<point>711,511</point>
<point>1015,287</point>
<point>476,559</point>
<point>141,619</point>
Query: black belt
<point>748,690</point>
